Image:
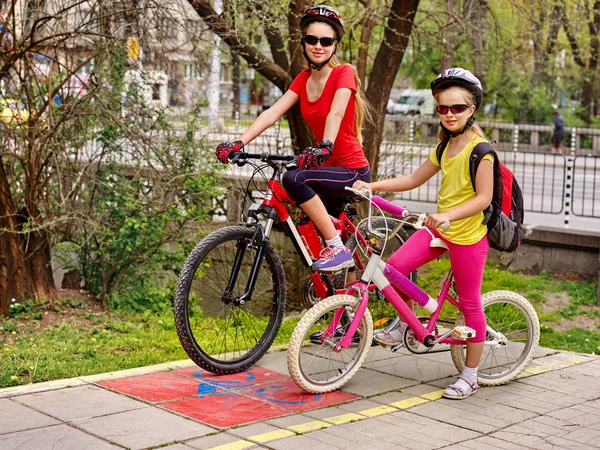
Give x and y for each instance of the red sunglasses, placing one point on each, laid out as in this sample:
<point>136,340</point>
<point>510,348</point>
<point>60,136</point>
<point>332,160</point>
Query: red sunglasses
<point>456,109</point>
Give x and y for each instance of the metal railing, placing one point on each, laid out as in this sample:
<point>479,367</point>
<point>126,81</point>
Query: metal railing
<point>551,183</point>
<point>544,178</point>
<point>507,136</point>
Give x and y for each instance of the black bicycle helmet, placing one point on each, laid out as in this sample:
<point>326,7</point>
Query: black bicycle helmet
<point>323,13</point>
<point>460,77</point>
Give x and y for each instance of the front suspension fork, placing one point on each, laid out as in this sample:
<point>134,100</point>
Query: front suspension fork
<point>259,242</point>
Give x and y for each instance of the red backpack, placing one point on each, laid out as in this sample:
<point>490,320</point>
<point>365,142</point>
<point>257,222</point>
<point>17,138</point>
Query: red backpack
<point>504,216</point>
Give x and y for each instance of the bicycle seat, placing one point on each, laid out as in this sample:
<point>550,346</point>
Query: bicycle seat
<point>438,242</point>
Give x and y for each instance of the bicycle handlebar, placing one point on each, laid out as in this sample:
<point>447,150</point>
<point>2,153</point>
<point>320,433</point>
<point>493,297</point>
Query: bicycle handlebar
<point>391,208</point>
<point>264,157</point>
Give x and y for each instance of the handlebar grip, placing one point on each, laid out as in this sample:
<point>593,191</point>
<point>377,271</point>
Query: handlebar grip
<point>445,226</point>
<point>389,207</point>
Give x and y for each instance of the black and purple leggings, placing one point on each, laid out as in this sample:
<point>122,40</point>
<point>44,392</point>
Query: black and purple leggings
<point>328,182</point>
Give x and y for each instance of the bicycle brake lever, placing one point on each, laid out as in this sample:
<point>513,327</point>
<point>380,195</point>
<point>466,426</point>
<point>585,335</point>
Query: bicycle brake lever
<point>235,159</point>
<point>418,225</point>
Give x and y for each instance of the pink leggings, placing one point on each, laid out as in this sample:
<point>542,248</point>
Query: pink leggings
<point>468,264</point>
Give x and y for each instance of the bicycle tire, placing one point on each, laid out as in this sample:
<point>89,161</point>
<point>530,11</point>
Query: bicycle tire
<point>515,318</point>
<point>219,337</point>
<point>317,368</point>
<point>382,312</point>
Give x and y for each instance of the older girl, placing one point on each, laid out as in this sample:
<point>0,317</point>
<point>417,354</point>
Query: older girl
<point>332,104</point>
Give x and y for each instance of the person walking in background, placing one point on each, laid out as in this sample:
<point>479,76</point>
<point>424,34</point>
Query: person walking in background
<point>558,136</point>
<point>333,104</point>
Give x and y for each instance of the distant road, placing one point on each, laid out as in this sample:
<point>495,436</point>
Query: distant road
<point>533,219</point>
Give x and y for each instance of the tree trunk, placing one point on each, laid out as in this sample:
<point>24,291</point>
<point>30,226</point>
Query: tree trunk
<point>365,35</point>
<point>478,35</point>
<point>25,271</point>
<point>450,36</point>
<point>385,67</point>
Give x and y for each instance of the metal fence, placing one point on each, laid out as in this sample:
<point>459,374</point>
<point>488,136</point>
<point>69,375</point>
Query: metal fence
<point>551,183</point>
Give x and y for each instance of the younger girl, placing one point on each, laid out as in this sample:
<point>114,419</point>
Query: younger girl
<point>458,95</point>
<point>332,104</point>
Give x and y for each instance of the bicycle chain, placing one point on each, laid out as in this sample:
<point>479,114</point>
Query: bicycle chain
<point>412,344</point>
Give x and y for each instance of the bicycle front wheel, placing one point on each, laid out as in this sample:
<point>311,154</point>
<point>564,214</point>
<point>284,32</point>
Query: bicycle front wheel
<point>217,332</point>
<point>513,334</point>
<point>317,367</point>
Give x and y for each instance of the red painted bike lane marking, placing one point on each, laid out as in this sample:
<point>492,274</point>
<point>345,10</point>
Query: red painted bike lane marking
<point>226,400</point>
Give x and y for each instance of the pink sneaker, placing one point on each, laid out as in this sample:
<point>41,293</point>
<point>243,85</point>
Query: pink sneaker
<point>334,259</point>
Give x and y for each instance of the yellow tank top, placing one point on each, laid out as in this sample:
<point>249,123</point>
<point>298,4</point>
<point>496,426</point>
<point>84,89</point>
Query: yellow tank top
<point>456,189</point>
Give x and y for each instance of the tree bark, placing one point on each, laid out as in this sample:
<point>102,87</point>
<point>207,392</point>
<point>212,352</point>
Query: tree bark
<point>449,36</point>
<point>255,58</point>
<point>25,271</point>
<point>478,36</point>
<point>387,62</point>
<point>363,52</point>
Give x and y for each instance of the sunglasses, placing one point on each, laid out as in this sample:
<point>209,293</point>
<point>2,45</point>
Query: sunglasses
<point>325,41</point>
<point>456,109</point>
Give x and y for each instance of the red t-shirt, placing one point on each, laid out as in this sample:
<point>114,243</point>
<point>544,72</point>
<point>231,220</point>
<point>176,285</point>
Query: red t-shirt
<point>347,151</point>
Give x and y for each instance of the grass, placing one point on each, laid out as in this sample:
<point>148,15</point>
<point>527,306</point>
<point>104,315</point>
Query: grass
<point>538,289</point>
<point>83,342</point>
<point>100,344</point>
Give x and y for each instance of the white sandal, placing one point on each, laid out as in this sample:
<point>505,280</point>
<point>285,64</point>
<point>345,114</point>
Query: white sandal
<point>385,338</point>
<point>455,392</point>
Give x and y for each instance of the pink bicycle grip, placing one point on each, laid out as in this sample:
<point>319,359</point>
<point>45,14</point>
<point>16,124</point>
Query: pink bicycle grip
<point>388,207</point>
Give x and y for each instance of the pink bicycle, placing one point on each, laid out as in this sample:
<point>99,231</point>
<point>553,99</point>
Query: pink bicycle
<point>346,326</point>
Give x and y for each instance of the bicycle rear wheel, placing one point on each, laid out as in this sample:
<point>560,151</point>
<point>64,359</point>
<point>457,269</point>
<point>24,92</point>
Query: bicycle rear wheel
<point>218,333</point>
<point>318,368</point>
<point>513,334</point>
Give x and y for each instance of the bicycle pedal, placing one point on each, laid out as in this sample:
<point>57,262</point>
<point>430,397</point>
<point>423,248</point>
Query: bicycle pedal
<point>464,332</point>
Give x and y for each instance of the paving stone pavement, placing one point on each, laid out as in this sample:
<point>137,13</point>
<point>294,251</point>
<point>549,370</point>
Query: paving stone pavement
<point>393,402</point>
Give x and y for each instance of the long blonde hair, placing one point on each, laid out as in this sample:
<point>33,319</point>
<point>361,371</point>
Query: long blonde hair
<point>362,110</point>
<point>470,99</point>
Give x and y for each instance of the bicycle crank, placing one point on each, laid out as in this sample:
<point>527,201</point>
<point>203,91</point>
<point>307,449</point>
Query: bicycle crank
<point>412,344</point>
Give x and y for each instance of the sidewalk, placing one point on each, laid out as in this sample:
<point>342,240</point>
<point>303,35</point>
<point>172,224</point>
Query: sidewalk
<point>393,402</point>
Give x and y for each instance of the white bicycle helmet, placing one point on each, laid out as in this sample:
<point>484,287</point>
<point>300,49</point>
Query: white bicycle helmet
<point>458,76</point>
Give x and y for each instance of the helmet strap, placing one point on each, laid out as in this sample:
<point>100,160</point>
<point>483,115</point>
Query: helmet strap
<point>470,121</point>
<point>311,64</point>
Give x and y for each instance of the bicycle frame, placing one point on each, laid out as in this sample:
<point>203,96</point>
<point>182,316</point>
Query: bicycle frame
<point>272,207</point>
<point>375,272</point>
<point>385,278</point>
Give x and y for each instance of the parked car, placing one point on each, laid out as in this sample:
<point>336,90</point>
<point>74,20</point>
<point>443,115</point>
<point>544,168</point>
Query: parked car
<point>417,102</point>
<point>12,112</point>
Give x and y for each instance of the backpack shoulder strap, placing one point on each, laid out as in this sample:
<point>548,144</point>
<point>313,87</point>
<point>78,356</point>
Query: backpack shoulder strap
<point>439,150</point>
<point>480,150</point>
